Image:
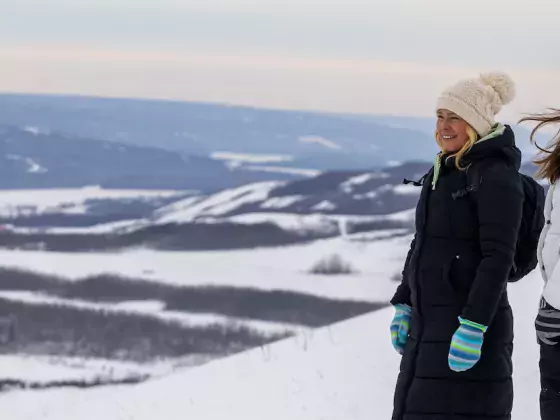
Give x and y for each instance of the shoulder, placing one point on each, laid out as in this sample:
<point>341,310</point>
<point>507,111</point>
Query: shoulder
<point>497,173</point>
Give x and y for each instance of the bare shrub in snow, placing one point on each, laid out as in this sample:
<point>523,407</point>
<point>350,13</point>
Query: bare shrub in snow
<point>332,265</point>
<point>7,329</point>
<point>168,237</point>
<point>52,329</point>
<point>230,301</point>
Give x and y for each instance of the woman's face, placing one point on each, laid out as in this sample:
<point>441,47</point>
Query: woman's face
<point>451,131</point>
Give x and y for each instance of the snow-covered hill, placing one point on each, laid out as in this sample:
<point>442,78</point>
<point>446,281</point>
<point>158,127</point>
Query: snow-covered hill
<point>330,203</point>
<point>34,158</point>
<point>336,193</point>
<point>270,213</point>
<point>20,203</point>
<point>325,204</point>
<point>375,258</point>
<point>344,371</point>
<point>146,313</point>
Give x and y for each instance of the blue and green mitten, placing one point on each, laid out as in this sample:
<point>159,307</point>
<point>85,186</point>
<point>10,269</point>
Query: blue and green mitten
<point>400,327</point>
<point>466,345</point>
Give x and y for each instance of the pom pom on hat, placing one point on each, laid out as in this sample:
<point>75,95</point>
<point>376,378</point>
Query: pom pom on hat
<point>501,83</point>
<point>478,100</point>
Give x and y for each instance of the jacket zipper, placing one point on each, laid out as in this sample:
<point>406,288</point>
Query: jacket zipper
<point>419,247</point>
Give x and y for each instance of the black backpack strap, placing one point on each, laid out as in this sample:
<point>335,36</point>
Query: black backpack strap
<point>474,180</point>
<point>420,182</point>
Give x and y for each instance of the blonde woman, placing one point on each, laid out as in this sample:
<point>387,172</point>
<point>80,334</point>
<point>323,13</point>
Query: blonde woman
<point>453,322</point>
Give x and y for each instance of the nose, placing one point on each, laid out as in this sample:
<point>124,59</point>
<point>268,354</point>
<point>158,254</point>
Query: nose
<point>443,124</point>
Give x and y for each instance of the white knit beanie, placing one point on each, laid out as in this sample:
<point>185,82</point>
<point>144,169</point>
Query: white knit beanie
<point>478,100</point>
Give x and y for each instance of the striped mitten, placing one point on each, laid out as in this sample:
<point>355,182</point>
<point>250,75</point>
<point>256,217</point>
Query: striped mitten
<point>400,327</point>
<point>547,324</point>
<point>466,345</point>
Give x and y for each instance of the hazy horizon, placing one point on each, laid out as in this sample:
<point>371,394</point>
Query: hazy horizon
<point>388,57</point>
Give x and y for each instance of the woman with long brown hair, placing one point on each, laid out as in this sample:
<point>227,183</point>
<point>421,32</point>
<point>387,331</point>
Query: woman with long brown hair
<point>547,323</point>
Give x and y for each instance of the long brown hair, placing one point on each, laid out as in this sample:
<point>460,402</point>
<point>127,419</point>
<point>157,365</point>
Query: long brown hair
<point>549,161</point>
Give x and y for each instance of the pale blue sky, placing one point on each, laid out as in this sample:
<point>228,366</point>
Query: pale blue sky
<point>338,55</point>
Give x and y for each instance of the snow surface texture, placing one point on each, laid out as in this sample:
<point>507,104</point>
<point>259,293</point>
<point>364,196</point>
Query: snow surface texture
<point>223,202</point>
<point>251,158</point>
<point>256,163</point>
<point>324,205</point>
<point>266,269</point>
<point>69,201</point>
<point>110,227</point>
<point>321,141</point>
<point>361,179</point>
<point>283,170</point>
<point>154,308</point>
<point>50,369</point>
<point>375,259</point>
<point>319,223</point>
<point>345,371</point>
<point>281,202</point>
<point>32,166</point>
<point>268,197</point>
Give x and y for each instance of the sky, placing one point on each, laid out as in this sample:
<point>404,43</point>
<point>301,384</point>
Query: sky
<point>352,56</point>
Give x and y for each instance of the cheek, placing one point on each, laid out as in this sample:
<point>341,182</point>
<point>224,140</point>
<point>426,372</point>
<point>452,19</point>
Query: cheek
<point>461,132</point>
<point>462,138</point>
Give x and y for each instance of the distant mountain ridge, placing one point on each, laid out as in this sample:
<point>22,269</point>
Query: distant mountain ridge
<point>31,158</point>
<point>70,141</point>
<point>305,139</point>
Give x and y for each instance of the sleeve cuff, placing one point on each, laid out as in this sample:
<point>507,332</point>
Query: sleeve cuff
<point>481,327</point>
<point>403,307</point>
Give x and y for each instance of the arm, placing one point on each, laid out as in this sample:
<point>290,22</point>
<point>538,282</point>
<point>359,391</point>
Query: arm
<point>402,295</point>
<point>551,292</point>
<point>500,204</point>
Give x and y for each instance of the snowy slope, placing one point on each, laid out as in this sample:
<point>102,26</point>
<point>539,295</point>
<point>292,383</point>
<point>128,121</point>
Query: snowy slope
<point>375,193</point>
<point>320,206</point>
<point>48,369</point>
<point>100,228</point>
<point>361,200</point>
<point>71,200</point>
<point>328,223</point>
<point>218,204</point>
<point>284,268</point>
<point>345,371</point>
<point>153,308</point>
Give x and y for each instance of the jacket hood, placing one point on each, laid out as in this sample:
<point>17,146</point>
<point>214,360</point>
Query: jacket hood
<point>498,144</point>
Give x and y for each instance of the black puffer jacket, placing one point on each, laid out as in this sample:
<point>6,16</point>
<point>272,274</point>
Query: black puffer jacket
<point>458,265</point>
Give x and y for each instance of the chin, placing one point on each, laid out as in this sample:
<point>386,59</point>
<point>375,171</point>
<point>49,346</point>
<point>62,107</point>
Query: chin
<point>450,149</point>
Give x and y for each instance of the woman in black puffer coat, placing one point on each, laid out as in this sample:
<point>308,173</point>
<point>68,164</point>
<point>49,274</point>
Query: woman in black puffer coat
<point>453,322</point>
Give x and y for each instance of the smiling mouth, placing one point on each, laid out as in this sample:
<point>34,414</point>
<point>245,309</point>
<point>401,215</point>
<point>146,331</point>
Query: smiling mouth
<point>448,137</point>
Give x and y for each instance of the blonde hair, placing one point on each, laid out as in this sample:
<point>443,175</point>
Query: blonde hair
<point>472,139</point>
